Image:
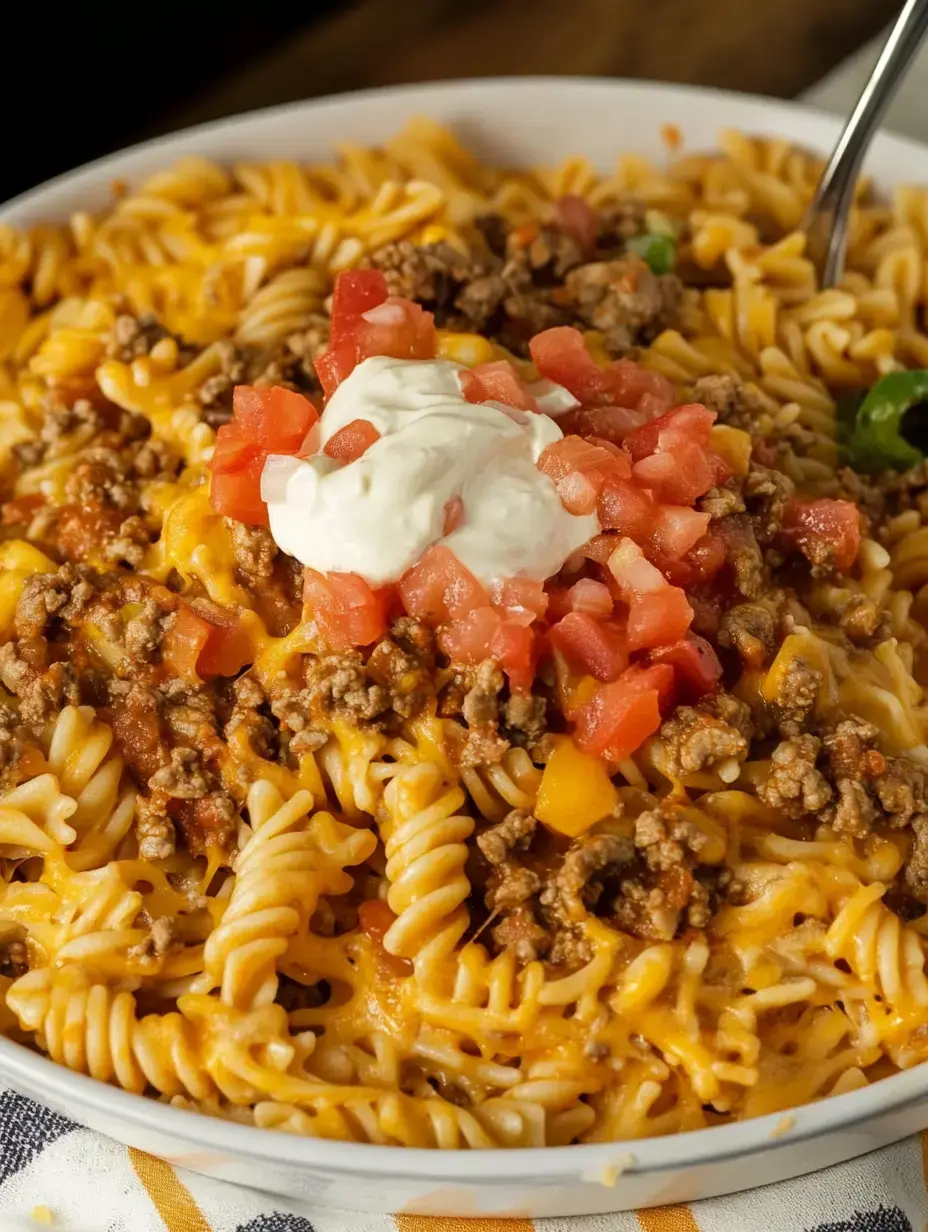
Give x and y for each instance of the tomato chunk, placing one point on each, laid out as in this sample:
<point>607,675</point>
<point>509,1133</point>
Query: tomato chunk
<point>355,292</point>
<point>591,645</point>
<point>695,664</point>
<point>233,449</point>
<point>276,419</point>
<point>658,618</point>
<point>237,493</point>
<point>625,507</point>
<point>826,531</point>
<point>675,530</point>
<point>591,598</point>
<point>617,720</point>
<point>497,382</point>
<point>560,354</point>
<point>438,588</point>
<point>348,443</point>
<point>195,646</point>
<point>634,575</point>
<point>519,596</point>
<point>347,610</point>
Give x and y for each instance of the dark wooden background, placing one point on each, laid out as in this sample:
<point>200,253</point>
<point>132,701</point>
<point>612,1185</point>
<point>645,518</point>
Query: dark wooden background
<point>107,75</point>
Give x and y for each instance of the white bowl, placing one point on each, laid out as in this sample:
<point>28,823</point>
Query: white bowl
<point>519,121</point>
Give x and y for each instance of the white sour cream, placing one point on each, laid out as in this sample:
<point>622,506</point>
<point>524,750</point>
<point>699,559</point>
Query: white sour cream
<point>377,515</point>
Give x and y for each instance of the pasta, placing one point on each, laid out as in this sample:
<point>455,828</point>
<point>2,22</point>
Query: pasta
<point>360,860</point>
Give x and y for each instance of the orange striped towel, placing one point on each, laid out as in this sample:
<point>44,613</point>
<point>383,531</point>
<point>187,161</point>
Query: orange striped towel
<point>55,1174</point>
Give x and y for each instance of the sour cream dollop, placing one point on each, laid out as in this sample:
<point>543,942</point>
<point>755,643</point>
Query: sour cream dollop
<point>376,516</point>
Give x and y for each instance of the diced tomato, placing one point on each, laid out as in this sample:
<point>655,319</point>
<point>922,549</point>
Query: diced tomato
<point>276,419</point>
<point>634,387</point>
<point>658,618</point>
<point>355,292</point>
<point>600,548</point>
<point>635,575</point>
<point>826,531</point>
<point>347,610</point>
<point>690,420</point>
<point>513,648</point>
<point>590,645</point>
<point>657,676</point>
<point>580,469</point>
<point>194,646</point>
<point>574,216</point>
<point>233,450</point>
<point>497,382</point>
<point>469,638</point>
<point>574,454</point>
<point>237,493</point>
<point>675,530</point>
<point>335,365</point>
<point>183,643</point>
<point>454,515</point>
<point>438,588</point>
<point>606,423</point>
<point>625,507</point>
<point>560,354</point>
<point>398,328</point>
<point>617,720</point>
<point>266,420</point>
<point>705,558</point>
<point>591,598</point>
<point>678,474</point>
<point>695,664</point>
<point>367,322</point>
<point>518,596</point>
<point>349,442</point>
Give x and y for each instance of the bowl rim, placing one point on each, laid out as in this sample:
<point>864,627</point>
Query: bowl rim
<point>30,1071</point>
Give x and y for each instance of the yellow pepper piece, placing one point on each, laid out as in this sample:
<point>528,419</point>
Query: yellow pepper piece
<point>733,446</point>
<point>575,790</point>
<point>467,349</point>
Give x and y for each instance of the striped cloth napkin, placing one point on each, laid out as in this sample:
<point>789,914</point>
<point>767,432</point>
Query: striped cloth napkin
<point>55,1174</point>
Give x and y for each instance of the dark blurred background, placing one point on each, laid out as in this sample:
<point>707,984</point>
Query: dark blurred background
<point>85,79</point>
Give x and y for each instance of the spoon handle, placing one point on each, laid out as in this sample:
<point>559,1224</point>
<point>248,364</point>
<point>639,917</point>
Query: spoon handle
<point>827,219</point>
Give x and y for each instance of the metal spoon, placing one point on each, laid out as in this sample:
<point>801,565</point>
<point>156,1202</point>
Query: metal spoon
<point>826,222</point>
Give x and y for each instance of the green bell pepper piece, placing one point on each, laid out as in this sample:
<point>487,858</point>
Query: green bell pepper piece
<point>657,251</point>
<point>875,440</point>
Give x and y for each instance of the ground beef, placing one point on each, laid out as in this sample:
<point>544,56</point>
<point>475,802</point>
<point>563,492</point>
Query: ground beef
<point>513,833</point>
<point>42,694</point>
<point>699,737</point>
<point>63,428</point>
<point>160,941</point>
<point>575,888</point>
<point>751,630</point>
<point>14,958</point>
<point>796,693</point>
<point>144,632</point>
<point>254,550</point>
<point>525,719</point>
<point>154,829</point>
<point>289,363</point>
<point>183,778</point>
<point>134,337</point>
<point>63,596</point>
<point>794,785</point>
<point>624,300</point>
<point>721,502</point>
<point>463,292</point>
<point>403,663</point>
<point>735,403</point>
<point>744,559</point>
<point>483,744</point>
<point>766,494</point>
<point>339,685</point>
